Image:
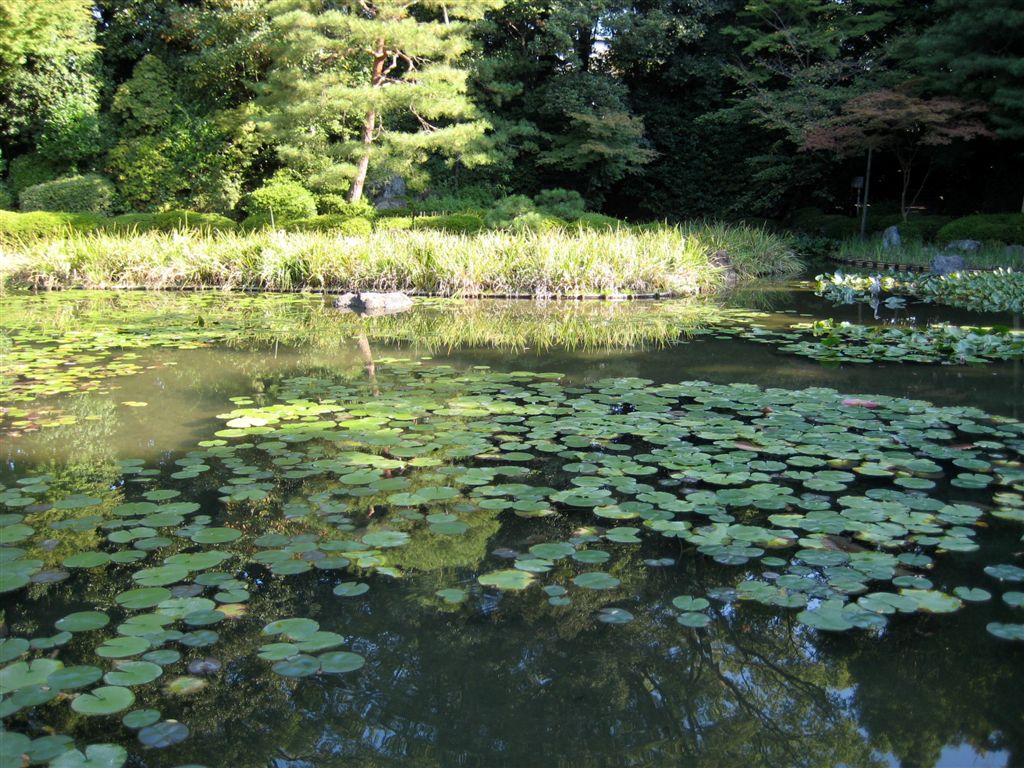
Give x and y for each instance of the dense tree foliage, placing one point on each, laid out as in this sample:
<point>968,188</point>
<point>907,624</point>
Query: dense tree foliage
<point>653,109</point>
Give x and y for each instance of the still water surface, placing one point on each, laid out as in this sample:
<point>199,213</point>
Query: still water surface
<point>503,678</point>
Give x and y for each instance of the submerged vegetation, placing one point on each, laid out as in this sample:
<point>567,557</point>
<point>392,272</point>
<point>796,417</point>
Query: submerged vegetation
<point>665,260</point>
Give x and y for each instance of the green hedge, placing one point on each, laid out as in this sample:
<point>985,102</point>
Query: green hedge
<point>333,222</point>
<point>168,221</point>
<point>91,193</point>
<point>923,228</point>
<point>41,223</point>
<point>466,223</point>
<point>1001,227</point>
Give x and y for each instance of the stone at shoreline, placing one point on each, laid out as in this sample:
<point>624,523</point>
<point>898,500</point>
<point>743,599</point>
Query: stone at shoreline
<point>964,246</point>
<point>946,263</point>
<point>891,238</point>
<point>374,303</point>
<point>721,259</point>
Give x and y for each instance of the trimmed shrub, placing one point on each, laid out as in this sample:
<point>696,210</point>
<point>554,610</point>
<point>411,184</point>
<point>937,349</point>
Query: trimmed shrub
<point>45,223</point>
<point>345,225</point>
<point>565,204</point>
<point>6,198</point>
<point>336,205</point>
<point>1001,227</point>
<point>26,171</point>
<point>283,199</point>
<point>476,198</point>
<point>507,209</point>
<point>465,223</point>
<point>91,193</point>
<point>599,221</point>
<point>254,222</point>
<point>393,222</point>
<point>169,221</point>
<point>534,221</point>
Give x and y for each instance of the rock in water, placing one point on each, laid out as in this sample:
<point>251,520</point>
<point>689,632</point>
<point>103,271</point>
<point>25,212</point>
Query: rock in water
<point>730,276</point>
<point>946,263</point>
<point>965,246</point>
<point>374,303</point>
<point>891,238</point>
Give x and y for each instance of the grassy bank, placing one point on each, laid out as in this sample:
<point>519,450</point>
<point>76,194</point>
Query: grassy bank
<point>989,256</point>
<point>570,262</point>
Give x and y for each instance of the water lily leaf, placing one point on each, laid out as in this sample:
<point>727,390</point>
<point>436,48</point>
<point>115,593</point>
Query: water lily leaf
<point>130,673</point>
<point>70,678</point>
<point>931,601</point>
<point>972,595</point>
<point>299,665</point>
<point>83,621</point>
<point>386,539</point>
<point>105,700</point>
<point>22,674</point>
<point>351,589</point>
<point>338,662</point>
<point>689,603</point>
<point>95,756</point>
<point>140,718</point>
<point>1005,572</point>
<point>293,629</point>
<point>1006,631</point>
<point>506,580</point>
<point>185,686</point>
<point>164,734</point>
<point>121,647</point>
<point>596,580</point>
<point>614,616</point>
<point>693,620</point>
<point>215,536</point>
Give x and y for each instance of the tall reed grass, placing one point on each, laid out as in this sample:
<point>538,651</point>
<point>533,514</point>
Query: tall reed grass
<point>672,260</point>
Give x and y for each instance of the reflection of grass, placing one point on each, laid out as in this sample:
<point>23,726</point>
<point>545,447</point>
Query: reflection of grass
<point>661,259</point>
<point>520,325</point>
<point>298,321</point>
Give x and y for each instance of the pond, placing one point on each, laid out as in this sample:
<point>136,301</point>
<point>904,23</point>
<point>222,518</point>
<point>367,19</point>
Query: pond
<point>257,531</point>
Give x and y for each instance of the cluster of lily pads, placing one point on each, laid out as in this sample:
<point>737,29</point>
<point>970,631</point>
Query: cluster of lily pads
<point>1001,290</point>
<point>838,508</point>
<point>852,343</point>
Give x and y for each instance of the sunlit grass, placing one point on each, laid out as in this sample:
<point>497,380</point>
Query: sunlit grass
<point>667,260</point>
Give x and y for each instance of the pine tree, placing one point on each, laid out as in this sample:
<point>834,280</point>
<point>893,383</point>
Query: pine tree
<point>363,79</point>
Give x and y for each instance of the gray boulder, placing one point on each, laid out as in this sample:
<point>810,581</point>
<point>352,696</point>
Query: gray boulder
<point>891,238</point>
<point>374,303</point>
<point>946,263</point>
<point>964,246</point>
<point>391,194</point>
<point>721,259</point>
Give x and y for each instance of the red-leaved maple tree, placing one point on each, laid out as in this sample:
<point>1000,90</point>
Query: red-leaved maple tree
<point>889,120</point>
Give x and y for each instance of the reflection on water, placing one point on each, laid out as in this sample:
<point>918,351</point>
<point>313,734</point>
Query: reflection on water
<point>504,678</point>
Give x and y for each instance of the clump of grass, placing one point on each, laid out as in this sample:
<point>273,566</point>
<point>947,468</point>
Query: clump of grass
<point>915,253</point>
<point>667,260</point>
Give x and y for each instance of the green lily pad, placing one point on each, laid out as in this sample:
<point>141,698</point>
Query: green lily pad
<point>83,621</point>
<point>338,662</point>
<point>105,700</point>
<point>95,756</point>
<point>596,580</point>
<point>506,580</point>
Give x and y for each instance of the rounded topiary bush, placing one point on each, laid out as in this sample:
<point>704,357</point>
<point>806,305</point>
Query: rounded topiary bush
<point>345,225</point>
<point>506,210</point>
<point>90,193</point>
<point>170,221</point>
<point>6,198</point>
<point>282,198</point>
<point>26,171</point>
<point>565,204</point>
<point>534,221</point>
<point>988,227</point>
<point>336,205</point>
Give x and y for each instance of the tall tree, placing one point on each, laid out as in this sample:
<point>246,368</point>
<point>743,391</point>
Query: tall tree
<point>353,79</point>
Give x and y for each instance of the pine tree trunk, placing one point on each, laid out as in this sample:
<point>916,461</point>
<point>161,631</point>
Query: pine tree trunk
<point>369,126</point>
